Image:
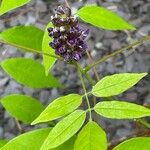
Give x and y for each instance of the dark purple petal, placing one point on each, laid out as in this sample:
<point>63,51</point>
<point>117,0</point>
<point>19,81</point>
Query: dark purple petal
<point>50,29</point>
<point>51,44</point>
<point>61,50</point>
<point>72,42</point>
<point>67,57</point>
<point>85,33</point>
<point>77,56</point>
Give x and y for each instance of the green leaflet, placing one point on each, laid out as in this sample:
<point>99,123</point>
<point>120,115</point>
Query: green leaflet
<point>121,110</point>
<point>33,141</point>
<point>2,142</point>
<point>28,141</point>
<point>139,143</point>
<point>48,61</point>
<point>28,38</point>
<point>8,5</point>
<point>29,72</point>
<point>103,18</point>
<point>68,145</point>
<point>91,137</point>
<point>22,107</point>
<point>64,130</point>
<point>116,84</point>
<point>59,107</point>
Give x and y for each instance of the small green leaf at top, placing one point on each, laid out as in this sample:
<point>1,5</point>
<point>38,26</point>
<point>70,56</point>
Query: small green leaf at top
<point>48,61</point>
<point>121,110</point>
<point>103,18</point>
<point>116,84</point>
<point>7,5</point>
<point>59,107</point>
<point>64,130</point>
<point>29,72</point>
<point>91,137</point>
<point>28,38</point>
<point>138,143</point>
<point>2,142</point>
<point>28,141</point>
<point>22,107</point>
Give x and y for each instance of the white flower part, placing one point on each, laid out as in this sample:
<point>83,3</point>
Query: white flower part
<point>62,29</point>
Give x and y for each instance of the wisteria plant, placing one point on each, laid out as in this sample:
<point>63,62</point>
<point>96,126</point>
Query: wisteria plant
<point>70,125</point>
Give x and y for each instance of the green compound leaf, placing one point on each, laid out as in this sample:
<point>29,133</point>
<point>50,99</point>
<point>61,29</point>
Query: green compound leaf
<point>48,61</point>
<point>2,142</point>
<point>22,107</point>
<point>91,137</point>
<point>28,38</point>
<point>121,110</point>
<point>59,107</point>
<point>64,130</point>
<point>116,84</point>
<point>29,72</point>
<point>7,5</point>
<point>139,143</point>
<point>29,141</point>
<point>103,18</point>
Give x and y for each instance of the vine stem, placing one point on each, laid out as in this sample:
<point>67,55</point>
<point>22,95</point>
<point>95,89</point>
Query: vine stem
<point>85,92</point>
<point>86,69</point>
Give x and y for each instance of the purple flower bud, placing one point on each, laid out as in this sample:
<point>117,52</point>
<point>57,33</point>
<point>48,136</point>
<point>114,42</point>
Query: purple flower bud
<point>51,44</point>
<point>51,34</point>
<point>71,42</point>
<point>68,35</point>
<point>61,10</point>
<point>85,33</point>
<point>61,50</point>
<point>67,57</point>
<point>55,43</point>
<point>77,56</point>
<point>50,29</point>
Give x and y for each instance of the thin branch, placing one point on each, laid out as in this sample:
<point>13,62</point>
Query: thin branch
<point>116,53</point>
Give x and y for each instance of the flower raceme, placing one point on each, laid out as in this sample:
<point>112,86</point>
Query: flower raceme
<point>68,37</point>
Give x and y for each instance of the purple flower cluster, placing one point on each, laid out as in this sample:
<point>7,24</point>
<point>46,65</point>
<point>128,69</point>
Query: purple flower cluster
<point>68,37</point>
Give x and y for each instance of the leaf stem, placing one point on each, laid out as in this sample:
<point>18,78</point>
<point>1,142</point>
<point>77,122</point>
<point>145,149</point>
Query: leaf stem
<point>32,50</point>
<point>86,69</point>
<point>143,122</point>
